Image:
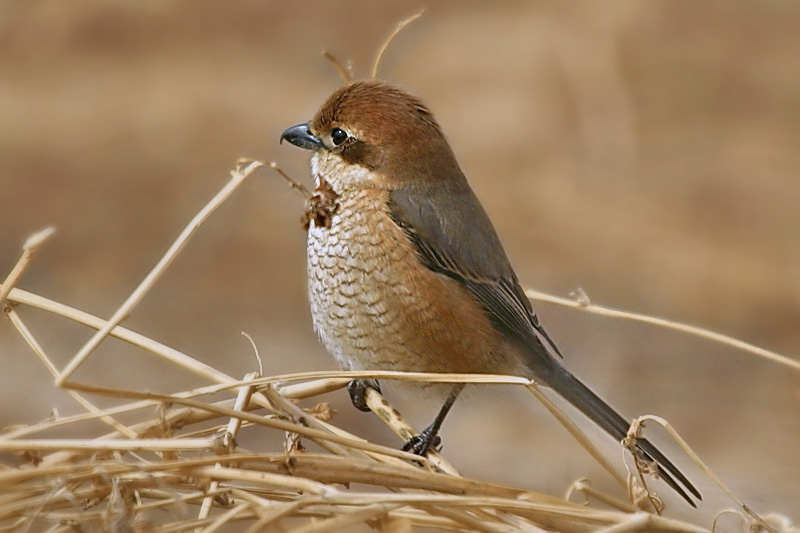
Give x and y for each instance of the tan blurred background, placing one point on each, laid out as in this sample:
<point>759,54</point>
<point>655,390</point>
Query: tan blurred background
<point>644,151</point>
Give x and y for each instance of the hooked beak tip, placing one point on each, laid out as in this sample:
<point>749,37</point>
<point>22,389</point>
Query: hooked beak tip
<point>301,136</point>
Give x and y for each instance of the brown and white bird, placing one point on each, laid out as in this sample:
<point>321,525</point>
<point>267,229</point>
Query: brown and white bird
<point>406,271</point>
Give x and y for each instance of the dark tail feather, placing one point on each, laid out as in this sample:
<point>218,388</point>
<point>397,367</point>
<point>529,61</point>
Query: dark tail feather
<point>579,395</point>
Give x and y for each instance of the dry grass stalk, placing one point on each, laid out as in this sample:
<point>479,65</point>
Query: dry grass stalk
<point>345,72</point>
<point>29,249</point>
<point>389,40</point>
<point>182,470</point>
<point>581,301</point>
<point>238,178</point>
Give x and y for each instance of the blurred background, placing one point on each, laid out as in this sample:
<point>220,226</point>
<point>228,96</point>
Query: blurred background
<point>646,152</point>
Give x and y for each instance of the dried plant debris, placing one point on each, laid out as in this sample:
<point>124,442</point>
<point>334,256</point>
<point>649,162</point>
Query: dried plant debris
<point>178,462</point>
<point>320,206</point>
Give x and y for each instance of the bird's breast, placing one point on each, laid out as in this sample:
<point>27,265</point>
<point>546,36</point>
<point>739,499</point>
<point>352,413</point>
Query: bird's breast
<point>375,306</point>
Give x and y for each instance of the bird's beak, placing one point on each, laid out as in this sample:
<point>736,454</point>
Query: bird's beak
<point>301,136</point>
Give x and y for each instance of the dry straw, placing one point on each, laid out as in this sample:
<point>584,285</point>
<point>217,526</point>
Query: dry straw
<point>182,470</point>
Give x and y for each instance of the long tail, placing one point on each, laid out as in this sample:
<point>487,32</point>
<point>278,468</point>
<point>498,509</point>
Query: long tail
<point>579,395</point>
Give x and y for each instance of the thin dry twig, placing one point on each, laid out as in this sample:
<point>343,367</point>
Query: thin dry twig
<point>635,430</point>
<point>274,423</point>
<point>26,334</point>
<point>294,184</point>
<point>165,352</point>
<point>238,177</point>
<point>584,487</point>
<point>584,304</point>
<point>344,72</point>
<point>229,437</point>
<point>389,40</point>
<point>576,433</point>
<point>256,354</point>
<point>29,249</point>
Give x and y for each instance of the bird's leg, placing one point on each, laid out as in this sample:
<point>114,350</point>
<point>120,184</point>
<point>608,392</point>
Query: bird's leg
<point>358,391</point>
<point>429,438</point>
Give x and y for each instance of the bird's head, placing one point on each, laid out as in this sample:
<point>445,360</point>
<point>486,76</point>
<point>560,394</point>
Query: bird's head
<point>373,134</point>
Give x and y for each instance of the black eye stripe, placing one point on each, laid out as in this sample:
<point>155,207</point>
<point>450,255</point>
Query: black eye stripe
<point>338,136</point>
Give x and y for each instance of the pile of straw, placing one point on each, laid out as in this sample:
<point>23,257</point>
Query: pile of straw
<point>179,466</point>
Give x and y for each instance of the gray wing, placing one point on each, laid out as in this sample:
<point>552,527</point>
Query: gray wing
<point>454,237</point>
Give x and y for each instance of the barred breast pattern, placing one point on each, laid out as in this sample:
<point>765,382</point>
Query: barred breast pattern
<point>350,275</point>
<point>372,301</point>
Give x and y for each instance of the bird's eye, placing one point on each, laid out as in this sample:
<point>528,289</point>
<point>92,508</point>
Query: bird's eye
<point>338,136</point>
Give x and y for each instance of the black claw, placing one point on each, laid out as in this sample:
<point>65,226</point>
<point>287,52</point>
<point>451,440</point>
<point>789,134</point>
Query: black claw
<point>358,392</point>
<point>424,442</point>
<point>429,439</point>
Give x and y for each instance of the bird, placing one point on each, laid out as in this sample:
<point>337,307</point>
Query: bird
<point>406,271</point>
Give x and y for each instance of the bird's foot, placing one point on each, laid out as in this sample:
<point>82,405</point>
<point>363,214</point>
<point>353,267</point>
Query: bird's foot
<point>426,441</point>
<point>358,392</point>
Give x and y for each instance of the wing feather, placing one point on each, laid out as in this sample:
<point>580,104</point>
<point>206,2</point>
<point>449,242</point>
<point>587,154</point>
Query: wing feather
<point>441,222</point>
<point>454,237</point>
